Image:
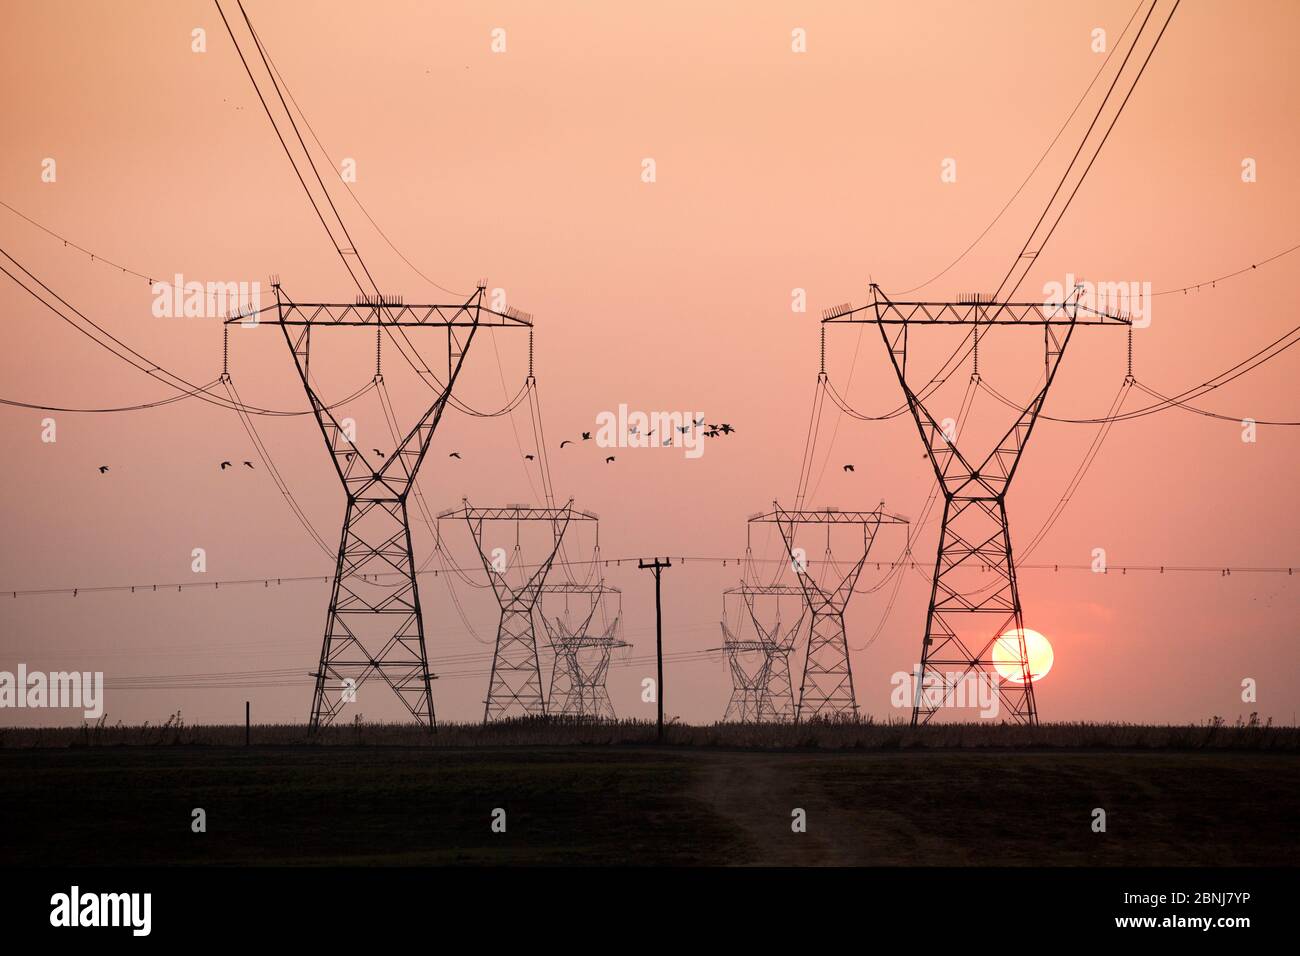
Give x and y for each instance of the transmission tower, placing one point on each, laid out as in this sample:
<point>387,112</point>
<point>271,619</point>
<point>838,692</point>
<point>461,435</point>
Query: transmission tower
<point>972,625</point>
<point>826,690</point>
<point>768,695</point>
<point>748,683</point>
<point>515,687</point>
<point>581,659</point>
<point>373,630</point>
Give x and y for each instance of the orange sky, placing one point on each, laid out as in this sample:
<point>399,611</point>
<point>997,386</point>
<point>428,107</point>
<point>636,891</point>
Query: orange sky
<point>775,171</point>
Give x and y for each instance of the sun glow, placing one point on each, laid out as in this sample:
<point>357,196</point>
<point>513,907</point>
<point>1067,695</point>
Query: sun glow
<point>1006,656</point>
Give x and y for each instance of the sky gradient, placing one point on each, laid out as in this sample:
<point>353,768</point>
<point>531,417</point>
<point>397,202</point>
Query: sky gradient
<point>775,171</point>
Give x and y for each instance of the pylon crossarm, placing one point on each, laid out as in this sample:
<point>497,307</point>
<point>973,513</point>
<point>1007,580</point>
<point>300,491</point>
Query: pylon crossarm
<point>371,314</point>
<point>973,311</point>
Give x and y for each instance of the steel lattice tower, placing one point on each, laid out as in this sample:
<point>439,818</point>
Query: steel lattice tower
<point>967,619</point>
<point>373,630</point>
<point>826,690</point>
<point>581,661</point>
<point>773,694</point>
<point>515,687</point>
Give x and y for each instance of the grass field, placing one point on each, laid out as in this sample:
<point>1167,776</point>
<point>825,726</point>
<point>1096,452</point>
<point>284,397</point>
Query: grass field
<point>872,796</point>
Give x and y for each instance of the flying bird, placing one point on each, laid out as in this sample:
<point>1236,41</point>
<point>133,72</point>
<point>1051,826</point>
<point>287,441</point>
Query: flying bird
<point>586,436</point>
<point>725,428</point>
<point>225,465</point>
<point>103,469</point>
<point>566,442</point>
<point>528,457</point>
<point>378,452</point>
<point>248,464</point>
<point>609,459</point>
<point>711,433</point>
<point>454,454</point>
<point>848,467</point>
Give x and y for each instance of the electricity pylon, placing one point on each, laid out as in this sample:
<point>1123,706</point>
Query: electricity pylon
<point>974,535</point>
<point>373,630</point>
<point>748,684</point>
<point>581,661</point>
<point>826,690</point>
<point>515,687</point>
<point>768,694</point>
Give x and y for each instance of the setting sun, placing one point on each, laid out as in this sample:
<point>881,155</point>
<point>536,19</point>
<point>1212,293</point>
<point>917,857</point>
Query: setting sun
<point>1006,656</point>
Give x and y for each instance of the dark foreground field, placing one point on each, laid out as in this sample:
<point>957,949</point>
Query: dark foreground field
<point>639,804</point>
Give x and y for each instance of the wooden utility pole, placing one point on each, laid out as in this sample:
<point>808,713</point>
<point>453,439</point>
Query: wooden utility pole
<point>657,567</point>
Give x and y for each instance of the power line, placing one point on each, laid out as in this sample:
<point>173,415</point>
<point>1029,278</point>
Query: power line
<point>1050,146</point>
<point>729,561</point>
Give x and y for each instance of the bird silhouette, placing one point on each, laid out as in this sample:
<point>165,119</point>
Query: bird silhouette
<point>711,433</point>
<point>248,464</point>
<point>566,442</point>
<point>848,467</point>
<point>454,454</point>
<point>609,459</point>
<point>528,457</point>
<point>103,469</point>
<point>725,428</point>
<point>586,436</point>
<point>378,452</point>
<point>225,465</point>
<point>684,428</point>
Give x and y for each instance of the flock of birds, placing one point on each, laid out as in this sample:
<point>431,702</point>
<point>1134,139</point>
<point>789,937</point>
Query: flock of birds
<point>710,431</point>
<point>104,469</point>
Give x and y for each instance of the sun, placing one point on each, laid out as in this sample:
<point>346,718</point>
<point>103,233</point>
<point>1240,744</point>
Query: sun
<point>1006,656</point>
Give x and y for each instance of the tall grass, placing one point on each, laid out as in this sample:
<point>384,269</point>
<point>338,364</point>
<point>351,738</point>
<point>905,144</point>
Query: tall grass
<point>1214,734</point>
